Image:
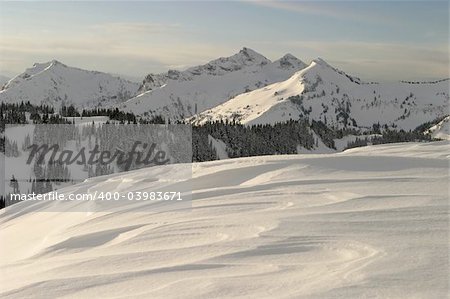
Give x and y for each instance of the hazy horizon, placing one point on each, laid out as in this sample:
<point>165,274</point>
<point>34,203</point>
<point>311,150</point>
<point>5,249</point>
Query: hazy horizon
<point>377,41</point>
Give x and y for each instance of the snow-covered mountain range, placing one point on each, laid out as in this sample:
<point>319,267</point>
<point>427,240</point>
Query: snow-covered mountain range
<point>54,83</point>
<point>325,93</point>
<point>246,87</point>
<point>180,94</point>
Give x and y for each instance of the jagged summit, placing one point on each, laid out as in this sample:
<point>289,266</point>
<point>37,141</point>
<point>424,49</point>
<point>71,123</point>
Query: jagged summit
<point>290,61</point>
<point>249,52</point>
<point>244,58</point>
<point>55,62</point>
<point>322,62</point>
<point>252,55</point>
<point>319,62</point>
<point>41,64</point>
<point>289,56</point>
<point>180,94</point>
<point>48,63</point>
<point>44,65</point>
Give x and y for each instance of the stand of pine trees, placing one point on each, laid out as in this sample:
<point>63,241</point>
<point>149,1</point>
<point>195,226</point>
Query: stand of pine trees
<point>241,141</point>
<point>390,136</point>
<point>17,114</point>
<point>256,140</point>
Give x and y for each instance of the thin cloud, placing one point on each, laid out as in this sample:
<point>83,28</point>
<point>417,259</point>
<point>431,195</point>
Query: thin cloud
<point>436,53</point>
<point>81,50</point>
<point>325,9</point>
<point>138,28</point>
<point>378,61</point>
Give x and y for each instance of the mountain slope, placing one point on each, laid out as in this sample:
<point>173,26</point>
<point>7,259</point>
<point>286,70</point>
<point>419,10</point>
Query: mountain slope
<point>325,93</point>
<point>441,130</point>
<point>179,94</point>
<point>54,83</point>
<point>367,223</point>
<point>3,80</point>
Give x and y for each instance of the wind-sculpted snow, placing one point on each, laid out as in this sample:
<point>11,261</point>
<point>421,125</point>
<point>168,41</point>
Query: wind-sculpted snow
<point>366,223</point>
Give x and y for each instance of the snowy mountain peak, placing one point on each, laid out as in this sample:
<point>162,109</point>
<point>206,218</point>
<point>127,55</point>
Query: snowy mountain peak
<point>40,66</point>
<point>319,65</point>
<point>245,58</point>
<point>290,61</point>
<point>321,62</point>
<point>54,83</point>
<point>252,56</point>
<point>55,62</point>
<point>322,92</point>
<point>180,94</point>
<point>37,68</point>
<point>289,56</point>
<point>47,64</point>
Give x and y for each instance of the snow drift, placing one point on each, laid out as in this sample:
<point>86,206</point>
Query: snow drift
<point>366,223</point>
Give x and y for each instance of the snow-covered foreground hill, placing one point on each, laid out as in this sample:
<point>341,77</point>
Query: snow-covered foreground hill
<point>366,223</point>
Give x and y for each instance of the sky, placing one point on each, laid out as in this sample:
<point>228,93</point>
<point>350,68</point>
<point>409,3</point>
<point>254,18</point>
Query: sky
<point>375,40</point>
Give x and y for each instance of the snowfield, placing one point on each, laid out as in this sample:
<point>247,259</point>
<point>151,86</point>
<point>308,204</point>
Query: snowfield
<point>366,223</point>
